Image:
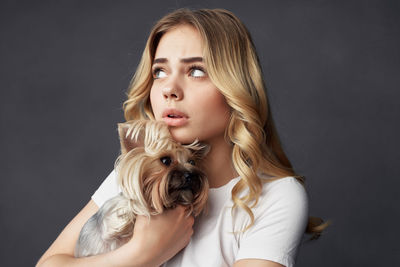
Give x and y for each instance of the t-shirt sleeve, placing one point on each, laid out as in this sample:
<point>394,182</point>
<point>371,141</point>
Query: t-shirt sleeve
<point>108,189</point>
<point>280,221</point>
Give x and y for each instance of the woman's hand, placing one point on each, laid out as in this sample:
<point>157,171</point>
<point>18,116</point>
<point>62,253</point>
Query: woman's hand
<point>157,240</point>
<point>153,242</point>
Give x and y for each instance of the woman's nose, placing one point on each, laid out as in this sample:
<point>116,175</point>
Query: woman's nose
<point>172,90</point>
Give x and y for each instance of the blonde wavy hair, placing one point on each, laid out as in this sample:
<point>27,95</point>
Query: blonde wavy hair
<point>233,66</point>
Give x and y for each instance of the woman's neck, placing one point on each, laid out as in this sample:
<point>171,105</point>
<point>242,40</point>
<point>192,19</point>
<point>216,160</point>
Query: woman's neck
<point>218,162</point>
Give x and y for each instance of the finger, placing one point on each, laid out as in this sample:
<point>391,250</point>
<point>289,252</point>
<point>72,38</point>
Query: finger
<point>179,212</point>
<point>191,220</point>
<point>180,208</point>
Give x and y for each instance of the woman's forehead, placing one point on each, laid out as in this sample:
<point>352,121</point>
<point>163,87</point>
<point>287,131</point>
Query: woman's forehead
<point>183,41</point>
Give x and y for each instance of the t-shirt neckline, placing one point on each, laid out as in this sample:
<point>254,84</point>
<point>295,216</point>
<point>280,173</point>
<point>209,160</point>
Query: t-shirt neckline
<point>225,186</point>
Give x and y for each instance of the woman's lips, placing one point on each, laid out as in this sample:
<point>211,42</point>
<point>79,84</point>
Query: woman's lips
<point>175,121</point>
<point>174,117</point>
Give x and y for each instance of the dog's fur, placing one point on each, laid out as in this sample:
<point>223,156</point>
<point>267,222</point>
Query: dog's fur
<point>154,173</point>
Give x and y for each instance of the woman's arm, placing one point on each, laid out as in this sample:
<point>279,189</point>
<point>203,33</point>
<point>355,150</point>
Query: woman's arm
<point>256,263</point>
<point>65,242</point>
<point>154,241</point>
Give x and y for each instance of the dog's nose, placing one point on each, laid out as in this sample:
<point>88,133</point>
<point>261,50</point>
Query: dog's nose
<point>188,177</point>
<point>192,181</point>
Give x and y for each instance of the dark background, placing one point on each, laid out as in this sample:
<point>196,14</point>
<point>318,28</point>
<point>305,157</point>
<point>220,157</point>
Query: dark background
<point>332,71</point>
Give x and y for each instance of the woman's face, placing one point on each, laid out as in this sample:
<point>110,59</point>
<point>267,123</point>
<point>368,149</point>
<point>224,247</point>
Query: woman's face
<point>182,94</point>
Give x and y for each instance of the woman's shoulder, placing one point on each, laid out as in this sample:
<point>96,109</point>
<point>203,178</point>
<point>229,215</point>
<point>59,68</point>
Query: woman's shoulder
<point>280,218</point>
<point>108,189</point>
<point>285,193</point>
<point>282,185</point>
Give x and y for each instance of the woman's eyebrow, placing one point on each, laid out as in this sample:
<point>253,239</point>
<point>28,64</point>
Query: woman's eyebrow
<point>191,59</point>
<point>183,60</point>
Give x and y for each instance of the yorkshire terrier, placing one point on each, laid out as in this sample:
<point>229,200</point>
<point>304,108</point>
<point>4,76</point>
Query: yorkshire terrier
<point>154,173</point>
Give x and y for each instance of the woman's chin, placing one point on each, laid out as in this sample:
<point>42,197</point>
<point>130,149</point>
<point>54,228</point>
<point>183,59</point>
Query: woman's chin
<point>182,136</point>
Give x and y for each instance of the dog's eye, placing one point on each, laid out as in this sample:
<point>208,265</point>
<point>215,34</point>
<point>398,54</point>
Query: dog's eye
<point>166,160</point>
<point>192,162</point>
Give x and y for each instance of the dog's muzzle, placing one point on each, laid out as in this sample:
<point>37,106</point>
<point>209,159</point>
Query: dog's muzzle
<point>192,181</point>
<point>185,180</point>
<point>186,187</point>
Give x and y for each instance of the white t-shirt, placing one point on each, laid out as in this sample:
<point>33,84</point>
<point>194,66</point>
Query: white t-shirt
<point>280,219</point>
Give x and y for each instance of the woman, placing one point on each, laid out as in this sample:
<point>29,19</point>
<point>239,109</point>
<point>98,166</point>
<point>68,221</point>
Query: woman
<point>200,74</point>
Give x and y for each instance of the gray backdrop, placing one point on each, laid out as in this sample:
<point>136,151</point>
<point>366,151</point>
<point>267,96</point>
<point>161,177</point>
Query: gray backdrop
<point>332,70</point>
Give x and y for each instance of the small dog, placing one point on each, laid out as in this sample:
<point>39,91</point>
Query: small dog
<point>154,173</point>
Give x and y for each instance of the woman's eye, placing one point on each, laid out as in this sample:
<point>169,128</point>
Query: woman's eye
<point>197,73</point>
<point>192,162</point>
<point>157,74</point>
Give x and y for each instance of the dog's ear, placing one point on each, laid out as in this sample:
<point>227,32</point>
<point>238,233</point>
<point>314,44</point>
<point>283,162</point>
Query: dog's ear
<point>156,136</point>
<point>199,150</point>
<point>152,135</point>
<point>130,136</point>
